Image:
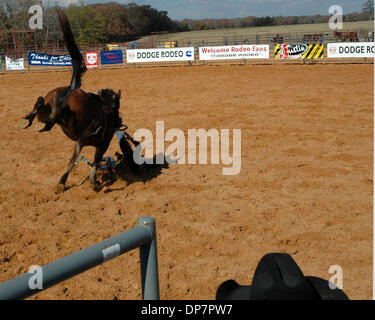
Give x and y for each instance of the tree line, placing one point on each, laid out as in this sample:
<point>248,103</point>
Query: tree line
<point>252,21</point>
<point>95,23</point>
<point>113,22</point>
<point>367,13</point>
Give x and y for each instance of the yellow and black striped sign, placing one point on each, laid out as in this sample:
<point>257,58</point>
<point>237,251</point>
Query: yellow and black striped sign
<point>299,51</point>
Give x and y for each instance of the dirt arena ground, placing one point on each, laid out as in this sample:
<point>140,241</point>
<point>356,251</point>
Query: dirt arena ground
<point>305,187</point>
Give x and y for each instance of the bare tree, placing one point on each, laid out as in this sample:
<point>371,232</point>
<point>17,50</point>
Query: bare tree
<point>368,7</point>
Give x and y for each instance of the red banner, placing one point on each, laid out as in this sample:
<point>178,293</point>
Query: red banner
<point>92,59</point>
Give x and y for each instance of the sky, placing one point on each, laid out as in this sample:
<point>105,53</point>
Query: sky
<point>200,9</point>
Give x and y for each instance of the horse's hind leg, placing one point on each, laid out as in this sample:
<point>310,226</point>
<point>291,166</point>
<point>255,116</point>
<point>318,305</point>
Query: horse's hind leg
<point>73,162</point>
<point>28,120</point>
<point>99,153</point>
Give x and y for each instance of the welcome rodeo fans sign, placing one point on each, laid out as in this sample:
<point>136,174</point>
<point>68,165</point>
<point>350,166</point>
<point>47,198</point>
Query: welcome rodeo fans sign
<point>234,52</point>
<point>160,55</point>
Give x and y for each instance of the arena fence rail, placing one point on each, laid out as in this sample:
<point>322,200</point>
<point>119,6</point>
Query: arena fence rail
<point>20,62</point>
<point>142,236</point>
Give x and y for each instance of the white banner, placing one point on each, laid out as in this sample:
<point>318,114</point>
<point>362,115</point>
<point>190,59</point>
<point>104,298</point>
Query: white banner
<point>160,55</point>
<point>14,64</point>
<point>235,52</point>
<point>351,50</point>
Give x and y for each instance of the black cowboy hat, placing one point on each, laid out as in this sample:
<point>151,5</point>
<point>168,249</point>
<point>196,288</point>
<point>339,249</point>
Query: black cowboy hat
<point>278,277</point>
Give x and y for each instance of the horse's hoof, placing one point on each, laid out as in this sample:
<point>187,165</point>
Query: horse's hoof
<point>24,123</point>
<point>94,182</point>
<point>40,126</point>
<point>60,188</point>
<point>96,186</point>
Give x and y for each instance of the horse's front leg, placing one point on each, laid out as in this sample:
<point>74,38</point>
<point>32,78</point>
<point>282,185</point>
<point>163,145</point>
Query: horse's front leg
<point>99,153</point>
<point>73,162</point>
<point>28,120</point>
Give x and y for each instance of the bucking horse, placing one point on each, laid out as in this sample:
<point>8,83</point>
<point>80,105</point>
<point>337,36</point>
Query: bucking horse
<point>87,118</point>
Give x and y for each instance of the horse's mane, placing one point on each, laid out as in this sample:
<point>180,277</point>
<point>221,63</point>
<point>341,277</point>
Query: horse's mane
<point>78,63</point>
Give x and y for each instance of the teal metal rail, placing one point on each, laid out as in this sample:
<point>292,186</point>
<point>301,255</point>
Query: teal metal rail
<point>142,236</point>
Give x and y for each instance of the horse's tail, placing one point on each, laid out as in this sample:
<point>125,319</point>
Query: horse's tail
<point>78,63</point>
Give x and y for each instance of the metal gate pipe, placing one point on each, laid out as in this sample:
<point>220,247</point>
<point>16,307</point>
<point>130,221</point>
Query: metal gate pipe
<point>149,263</point>
<point>142,236</point>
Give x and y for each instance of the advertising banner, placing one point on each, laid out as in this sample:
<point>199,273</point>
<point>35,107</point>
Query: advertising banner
<point>92,59</point>
<point>351,50</point>
<point>111,57</point>
<point>160,55</point>
<point>41,59</point>
<point>299,51</point>
<point>14,64</point>
<point>1,65</point>
<point>235,52</point>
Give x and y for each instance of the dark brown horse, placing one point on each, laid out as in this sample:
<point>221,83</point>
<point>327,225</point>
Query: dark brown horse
<point>87,118</point>
<point>312,38</point>
<point>343,36</point>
